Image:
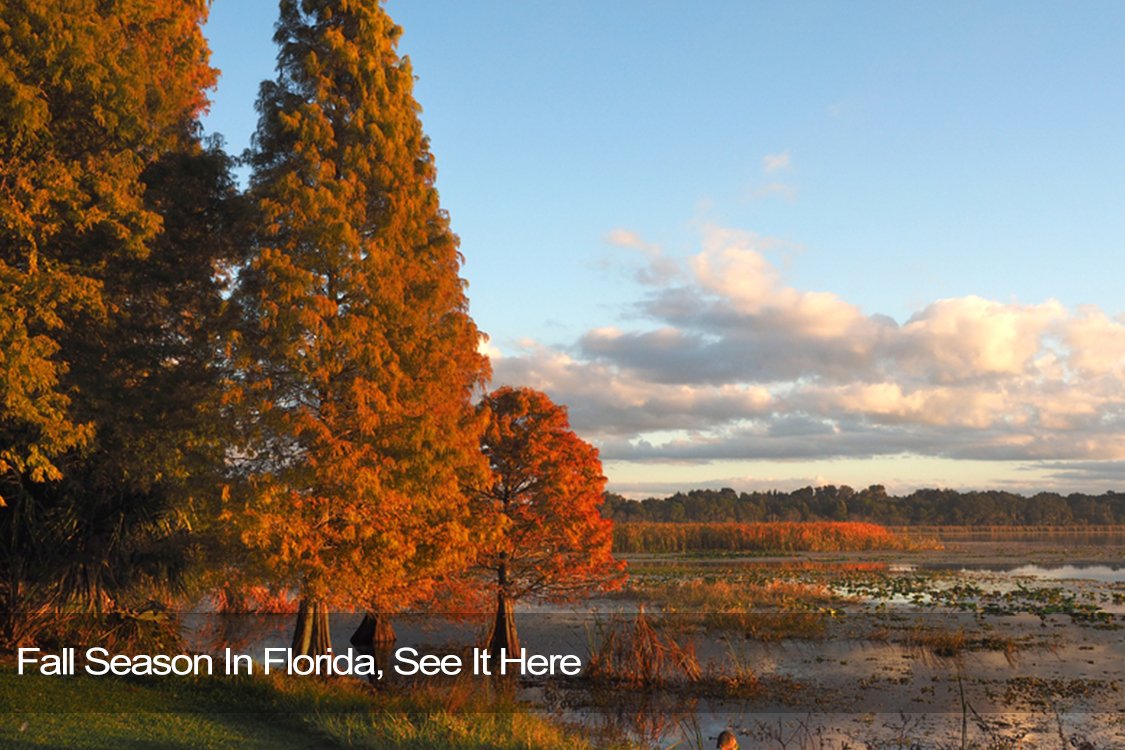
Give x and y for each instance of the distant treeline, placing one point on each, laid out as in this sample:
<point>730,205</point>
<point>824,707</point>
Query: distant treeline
<point>873,504</point>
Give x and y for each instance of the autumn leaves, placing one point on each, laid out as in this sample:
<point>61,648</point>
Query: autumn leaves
<point>305,344</point>
<point>357,361</point>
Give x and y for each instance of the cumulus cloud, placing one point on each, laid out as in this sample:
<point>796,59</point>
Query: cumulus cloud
<point>731,362</point>
<point>656,270</point>
<point>605,402</point>
<point>970,338</point>
<point>1096,343</point>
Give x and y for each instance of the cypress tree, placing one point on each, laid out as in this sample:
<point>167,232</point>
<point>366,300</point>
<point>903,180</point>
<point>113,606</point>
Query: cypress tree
<point>545,491</point>
<point>357,357</point>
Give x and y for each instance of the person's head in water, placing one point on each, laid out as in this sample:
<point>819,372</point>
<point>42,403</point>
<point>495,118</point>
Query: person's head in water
<point>727,740</point>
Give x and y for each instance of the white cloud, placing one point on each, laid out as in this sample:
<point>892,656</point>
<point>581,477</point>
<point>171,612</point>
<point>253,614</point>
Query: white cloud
<point>775,162</point>
<point>734,363</point>
<point>1096,343</point>
<point>487,348</point>
<point>969,337</point>
<point>606,402</point>
<point>657,269</point>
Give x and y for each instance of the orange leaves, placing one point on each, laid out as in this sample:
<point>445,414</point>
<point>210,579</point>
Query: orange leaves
<point>546,492</point>
<point>777,536</point>
<point>353,340</point>
<point>89,96</point>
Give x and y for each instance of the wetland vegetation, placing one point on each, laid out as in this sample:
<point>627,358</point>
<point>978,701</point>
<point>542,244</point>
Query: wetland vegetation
<point>939,640</point>
<point>987,639</point>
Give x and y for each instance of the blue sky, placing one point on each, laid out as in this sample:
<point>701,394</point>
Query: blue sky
<point>773,244</point>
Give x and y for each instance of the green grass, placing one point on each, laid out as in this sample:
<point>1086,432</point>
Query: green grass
<point>259,712</point>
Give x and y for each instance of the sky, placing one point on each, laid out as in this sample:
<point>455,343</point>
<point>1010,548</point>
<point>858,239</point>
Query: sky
<point>766,245</point>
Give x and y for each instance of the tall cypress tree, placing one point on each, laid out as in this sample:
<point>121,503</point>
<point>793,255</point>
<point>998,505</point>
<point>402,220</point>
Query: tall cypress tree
<point>109,236</point>
<point>357,356</point>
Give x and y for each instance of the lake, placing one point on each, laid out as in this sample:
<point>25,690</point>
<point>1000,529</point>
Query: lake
<point>1006,644</point>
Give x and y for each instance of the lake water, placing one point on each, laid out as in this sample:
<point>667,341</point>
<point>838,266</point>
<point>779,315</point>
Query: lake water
<point>863,682</point>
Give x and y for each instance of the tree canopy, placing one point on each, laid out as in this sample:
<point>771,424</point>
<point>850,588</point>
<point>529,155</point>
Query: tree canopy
<point>112,228</point>
<point>931,506</point>
<point>546,490</point>
<point>91,94</point>
<point>356,355</point>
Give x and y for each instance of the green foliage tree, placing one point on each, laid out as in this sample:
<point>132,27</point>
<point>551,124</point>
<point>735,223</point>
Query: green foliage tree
<point>873,504</point>
<point>357,358</point>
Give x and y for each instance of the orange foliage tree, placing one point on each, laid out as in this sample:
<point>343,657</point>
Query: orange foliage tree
<point>546,490</point>
<point>91,94</point>
<point>357,357</point>
<point>109,238</point>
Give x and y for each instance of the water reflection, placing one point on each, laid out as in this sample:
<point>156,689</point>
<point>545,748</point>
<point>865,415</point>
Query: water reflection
<point>1103,573</point>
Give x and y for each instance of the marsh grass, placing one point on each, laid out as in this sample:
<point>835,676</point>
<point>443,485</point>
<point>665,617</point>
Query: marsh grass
<point>944,644</point>
<point>765,610</point>
<point>643,720</point>
<point>639,655</point>
<point>738,677</point>
<point>772,536</point>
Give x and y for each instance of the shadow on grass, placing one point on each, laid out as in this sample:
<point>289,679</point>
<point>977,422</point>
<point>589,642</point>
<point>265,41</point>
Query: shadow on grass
<point>91,712</point>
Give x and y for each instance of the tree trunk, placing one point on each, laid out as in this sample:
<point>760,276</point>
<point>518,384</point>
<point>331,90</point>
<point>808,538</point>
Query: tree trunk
<point>311,636</point>
<point>504,634</point>
<point>302,632</point>
<point>322,633</point>
<point>375,636</point>
<point>375,629</point>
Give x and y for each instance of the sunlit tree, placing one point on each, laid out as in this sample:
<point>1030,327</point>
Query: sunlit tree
<point>104,296</point>
<point>357,358</point>
<point>546,490</point>
<point>90,94</point>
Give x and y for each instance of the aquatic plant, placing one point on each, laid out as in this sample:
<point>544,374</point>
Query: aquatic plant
<point>639,655</point>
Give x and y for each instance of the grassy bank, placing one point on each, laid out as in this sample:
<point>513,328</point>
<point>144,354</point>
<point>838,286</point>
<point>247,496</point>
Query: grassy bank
<point>259,712</point>
<point>782,536</point>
